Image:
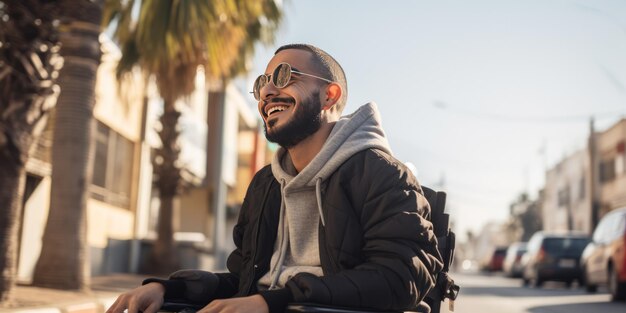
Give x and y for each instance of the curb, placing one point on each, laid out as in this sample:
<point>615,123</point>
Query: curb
<point>88,306</point>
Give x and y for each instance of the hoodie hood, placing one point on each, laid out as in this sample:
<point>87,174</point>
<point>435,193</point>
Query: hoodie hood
<point>351,134</point>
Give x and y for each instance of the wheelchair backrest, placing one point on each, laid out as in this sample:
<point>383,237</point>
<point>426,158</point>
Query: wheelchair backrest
<point>446,241</point>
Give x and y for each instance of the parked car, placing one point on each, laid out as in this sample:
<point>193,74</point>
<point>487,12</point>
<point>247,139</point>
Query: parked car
<point>554,257</point>
<point>604,259</point>
<point>512,265</point>
<point>495,260</point>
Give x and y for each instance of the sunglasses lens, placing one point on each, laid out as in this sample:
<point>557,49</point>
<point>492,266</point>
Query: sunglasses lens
<point>280,78</point>
<point>281,75</point>
<point>259,83</point>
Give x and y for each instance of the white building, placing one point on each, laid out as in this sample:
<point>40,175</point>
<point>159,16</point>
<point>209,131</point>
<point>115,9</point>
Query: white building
<point>567,201</point>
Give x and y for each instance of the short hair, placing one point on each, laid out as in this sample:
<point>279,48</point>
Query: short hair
<point>327,67</point>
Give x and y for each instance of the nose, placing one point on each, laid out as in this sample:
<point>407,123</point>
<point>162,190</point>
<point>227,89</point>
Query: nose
<point>265,93</point>
<point>268,91</point>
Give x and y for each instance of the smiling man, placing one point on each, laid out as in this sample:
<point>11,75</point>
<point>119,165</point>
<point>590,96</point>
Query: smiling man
<point>333,220</point>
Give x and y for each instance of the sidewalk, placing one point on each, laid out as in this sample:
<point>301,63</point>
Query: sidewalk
<point>104,291</point>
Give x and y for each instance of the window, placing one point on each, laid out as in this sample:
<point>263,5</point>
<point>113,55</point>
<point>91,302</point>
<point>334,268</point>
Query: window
<point>582,184</point>
<point>607,170</point>
<point>564,196</point>
<point>609,228</point>
<point>563,245</point>
<point>598,233</point>
<point>113,167</point>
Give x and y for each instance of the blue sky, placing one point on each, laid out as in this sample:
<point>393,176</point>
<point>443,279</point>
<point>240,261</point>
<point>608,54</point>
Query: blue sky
<point>471,92</point>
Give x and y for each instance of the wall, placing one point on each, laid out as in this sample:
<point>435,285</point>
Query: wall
<point>567,192</point>
<point>611,149</point>
<point>34,217</point>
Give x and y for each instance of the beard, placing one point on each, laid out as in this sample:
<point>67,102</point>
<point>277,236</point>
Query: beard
<point>305,122</point>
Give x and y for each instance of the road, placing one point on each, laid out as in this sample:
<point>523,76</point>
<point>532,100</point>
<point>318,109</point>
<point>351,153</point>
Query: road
<point>485,293</point>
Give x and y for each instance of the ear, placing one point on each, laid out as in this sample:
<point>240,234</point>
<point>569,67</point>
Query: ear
<point>333,94</point>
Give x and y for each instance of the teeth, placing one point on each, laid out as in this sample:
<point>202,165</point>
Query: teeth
<point>276,108</point>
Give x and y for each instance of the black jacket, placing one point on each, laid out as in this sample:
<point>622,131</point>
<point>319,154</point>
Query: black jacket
<point>377,249</point>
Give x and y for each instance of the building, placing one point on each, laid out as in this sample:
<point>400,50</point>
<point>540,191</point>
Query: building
<point>567,199</point>
<point>593,176</point>
<point>612,167</point>
<point>113,193</point>
<point>122,206</point>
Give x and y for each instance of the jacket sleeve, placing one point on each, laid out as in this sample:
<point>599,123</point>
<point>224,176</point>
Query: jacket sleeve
<point>398,258</point>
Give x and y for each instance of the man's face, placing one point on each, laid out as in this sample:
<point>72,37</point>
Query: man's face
<point>293,113</point>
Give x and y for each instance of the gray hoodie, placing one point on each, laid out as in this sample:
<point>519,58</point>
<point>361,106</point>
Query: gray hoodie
<point>296,249</point>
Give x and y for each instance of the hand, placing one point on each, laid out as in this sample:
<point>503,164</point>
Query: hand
<point>251,304</point>
<point>147,298</point>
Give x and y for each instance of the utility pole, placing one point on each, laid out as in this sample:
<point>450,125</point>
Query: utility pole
<point>594,189</point>
<point>218,188</point>
<point>568,207</point>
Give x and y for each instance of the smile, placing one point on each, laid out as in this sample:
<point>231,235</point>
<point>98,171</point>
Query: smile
<point>278,108</point>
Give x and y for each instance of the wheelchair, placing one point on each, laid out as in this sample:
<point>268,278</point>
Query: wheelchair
<point>445,288</point>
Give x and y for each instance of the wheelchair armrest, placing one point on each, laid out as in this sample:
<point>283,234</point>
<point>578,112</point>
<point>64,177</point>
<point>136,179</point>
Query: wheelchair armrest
<point>319,308</point>
<point>180,307</point>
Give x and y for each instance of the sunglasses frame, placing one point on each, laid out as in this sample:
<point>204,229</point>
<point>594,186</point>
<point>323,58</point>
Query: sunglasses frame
<point>256,91</point>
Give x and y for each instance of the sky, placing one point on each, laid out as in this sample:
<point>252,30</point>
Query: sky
<point>481,96</point>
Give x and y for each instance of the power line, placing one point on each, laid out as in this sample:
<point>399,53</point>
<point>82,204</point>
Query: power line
<point>531,119</point>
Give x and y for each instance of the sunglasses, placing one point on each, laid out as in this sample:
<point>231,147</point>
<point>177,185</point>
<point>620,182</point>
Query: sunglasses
<point>280,77</point>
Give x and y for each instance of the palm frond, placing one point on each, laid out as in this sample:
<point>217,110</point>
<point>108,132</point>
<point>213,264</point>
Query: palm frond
<point>171,39</point>
<point>118,15</point>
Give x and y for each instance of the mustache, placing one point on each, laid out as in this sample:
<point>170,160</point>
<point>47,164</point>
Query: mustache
<point>288,100</point>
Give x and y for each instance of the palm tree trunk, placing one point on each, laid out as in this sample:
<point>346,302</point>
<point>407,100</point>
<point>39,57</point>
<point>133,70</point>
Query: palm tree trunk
<point>164,259</point>
<point>64,261</point>
<point>16,140</point>
<point>27,93</point>
<point>12,178</point>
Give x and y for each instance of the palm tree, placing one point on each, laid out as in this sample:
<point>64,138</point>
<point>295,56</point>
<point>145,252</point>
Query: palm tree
<point>29,64</point>
<point>64,263</point>
<point>170,40</point>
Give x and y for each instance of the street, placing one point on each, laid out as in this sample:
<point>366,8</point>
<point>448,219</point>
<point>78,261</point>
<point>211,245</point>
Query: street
<point>494,293</point>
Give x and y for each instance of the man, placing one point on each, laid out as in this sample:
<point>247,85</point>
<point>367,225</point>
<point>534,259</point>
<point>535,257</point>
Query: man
<point>334,219</point>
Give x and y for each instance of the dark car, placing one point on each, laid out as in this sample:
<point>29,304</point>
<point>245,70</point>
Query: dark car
<point>512,266</point>
<point>495,261</point>
<point>604,259</point>
<point>554,257</point>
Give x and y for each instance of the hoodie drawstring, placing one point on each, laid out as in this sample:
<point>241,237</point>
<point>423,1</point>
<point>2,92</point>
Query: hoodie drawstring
<point>282,247</point>
<point>284,229</point>
<point>318,194</point>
